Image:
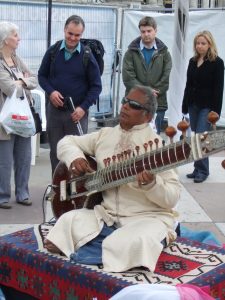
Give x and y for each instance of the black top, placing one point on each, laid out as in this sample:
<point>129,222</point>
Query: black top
<point>204,86</point>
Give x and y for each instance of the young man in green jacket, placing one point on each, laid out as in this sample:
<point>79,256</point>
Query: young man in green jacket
<point>148,62</point>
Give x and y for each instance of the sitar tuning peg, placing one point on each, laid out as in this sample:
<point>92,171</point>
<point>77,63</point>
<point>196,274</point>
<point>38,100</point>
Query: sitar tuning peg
<point>213,117</point>
<point>137,148</point>
<point>114,158</point>
<point>183,126</point>
<point>150,144</point>
<point>105,162</point>
<point>170,132</point>
<point>145,147</point>
<point>223,163</point>
<point>129,153</point>
<point>156,140</point>
<point>108,161</point>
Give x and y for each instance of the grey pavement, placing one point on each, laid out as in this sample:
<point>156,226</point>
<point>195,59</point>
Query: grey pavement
<point>201,207</point>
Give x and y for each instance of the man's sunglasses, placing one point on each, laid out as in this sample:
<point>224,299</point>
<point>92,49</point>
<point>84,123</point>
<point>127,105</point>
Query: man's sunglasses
<point>133,104</point>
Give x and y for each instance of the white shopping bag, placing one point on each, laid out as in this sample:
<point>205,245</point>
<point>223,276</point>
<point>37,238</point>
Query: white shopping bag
<point>16,116</point>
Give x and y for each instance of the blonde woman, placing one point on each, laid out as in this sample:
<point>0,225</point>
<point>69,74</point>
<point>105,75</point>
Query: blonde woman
<point>203,92</point>
<point>15,151</point>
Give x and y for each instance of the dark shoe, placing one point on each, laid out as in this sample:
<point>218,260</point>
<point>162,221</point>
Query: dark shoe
<point>25,202</point>
<point>5,205</point>
<point>200,178</point>
<point>191,175</point>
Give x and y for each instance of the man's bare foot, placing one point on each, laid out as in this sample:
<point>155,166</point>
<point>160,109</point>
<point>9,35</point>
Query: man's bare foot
<point>51,247</point>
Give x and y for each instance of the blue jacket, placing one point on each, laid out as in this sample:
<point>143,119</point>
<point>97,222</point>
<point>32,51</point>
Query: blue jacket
<point>71,77</point>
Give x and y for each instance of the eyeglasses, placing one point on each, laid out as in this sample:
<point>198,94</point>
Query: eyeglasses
<point>133,104</point>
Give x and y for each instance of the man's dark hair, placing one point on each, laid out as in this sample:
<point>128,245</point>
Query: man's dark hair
<point>76,20</point>
<point>148,21</point>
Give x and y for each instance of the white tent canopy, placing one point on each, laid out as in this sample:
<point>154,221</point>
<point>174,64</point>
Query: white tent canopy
<point>212,20</point>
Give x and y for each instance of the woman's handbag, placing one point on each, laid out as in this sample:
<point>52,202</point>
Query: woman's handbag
<point>37,120</point>
<point>16,116</point>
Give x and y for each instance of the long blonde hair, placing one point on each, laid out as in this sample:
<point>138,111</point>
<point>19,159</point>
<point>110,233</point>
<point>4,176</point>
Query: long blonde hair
<point>212,51</point>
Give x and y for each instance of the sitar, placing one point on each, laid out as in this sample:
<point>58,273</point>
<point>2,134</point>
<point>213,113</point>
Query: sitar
<point>76,192</point>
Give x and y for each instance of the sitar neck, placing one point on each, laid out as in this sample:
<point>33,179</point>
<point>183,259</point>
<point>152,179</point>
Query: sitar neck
<point>170,156</point>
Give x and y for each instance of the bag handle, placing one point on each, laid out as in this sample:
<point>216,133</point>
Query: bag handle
<point>24,94</point>
<point>14,75</point>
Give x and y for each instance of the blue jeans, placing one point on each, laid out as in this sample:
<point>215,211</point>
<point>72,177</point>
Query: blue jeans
<point>91,253</point>
<point>159,120</point>
<point>199,123</point>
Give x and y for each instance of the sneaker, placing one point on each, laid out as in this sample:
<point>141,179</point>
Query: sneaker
<point>5,205</point>
<point>25,202</point>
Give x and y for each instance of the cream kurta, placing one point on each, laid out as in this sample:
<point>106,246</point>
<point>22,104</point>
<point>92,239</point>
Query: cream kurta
<point>144,216</point>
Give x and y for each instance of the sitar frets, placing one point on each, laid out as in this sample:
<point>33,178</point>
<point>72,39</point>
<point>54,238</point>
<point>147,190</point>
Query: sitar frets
<point>165,158</point>
<point>154,161</point>
<point>126,170</point>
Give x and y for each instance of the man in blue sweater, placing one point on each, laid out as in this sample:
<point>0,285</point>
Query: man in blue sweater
<point>63,74</point>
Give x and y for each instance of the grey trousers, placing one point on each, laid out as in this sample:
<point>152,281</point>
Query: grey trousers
<point>15,153</point>
<point>60,124</point>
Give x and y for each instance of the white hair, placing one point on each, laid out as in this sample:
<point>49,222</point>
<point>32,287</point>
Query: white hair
<point>6,29</point>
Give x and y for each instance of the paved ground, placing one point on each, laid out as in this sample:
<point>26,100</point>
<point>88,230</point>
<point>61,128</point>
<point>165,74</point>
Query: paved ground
<point>201,207</point>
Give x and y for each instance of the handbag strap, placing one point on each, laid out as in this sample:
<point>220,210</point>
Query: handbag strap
<point>14,75</point>
<point>22,97</point>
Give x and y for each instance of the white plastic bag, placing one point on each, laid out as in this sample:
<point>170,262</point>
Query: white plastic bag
<point>16,116</point>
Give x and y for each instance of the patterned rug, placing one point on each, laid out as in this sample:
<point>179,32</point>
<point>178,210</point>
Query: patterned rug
<point>26,266</point>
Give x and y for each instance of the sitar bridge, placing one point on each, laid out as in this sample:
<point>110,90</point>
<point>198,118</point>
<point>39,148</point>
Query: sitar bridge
<point>62,190</point>
<point>73,188</point>
<point>67,190</point>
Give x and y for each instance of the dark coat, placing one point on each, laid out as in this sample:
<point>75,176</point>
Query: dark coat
<point>156,75</point>
<point>204,86</point>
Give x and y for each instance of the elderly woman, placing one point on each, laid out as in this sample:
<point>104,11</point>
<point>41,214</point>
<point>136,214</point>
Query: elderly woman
<point>14,150</point>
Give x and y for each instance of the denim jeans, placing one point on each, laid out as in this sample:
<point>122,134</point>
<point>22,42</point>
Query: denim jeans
<point>91,253</point>
<point>199,123</point>
<point>159,120</point>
